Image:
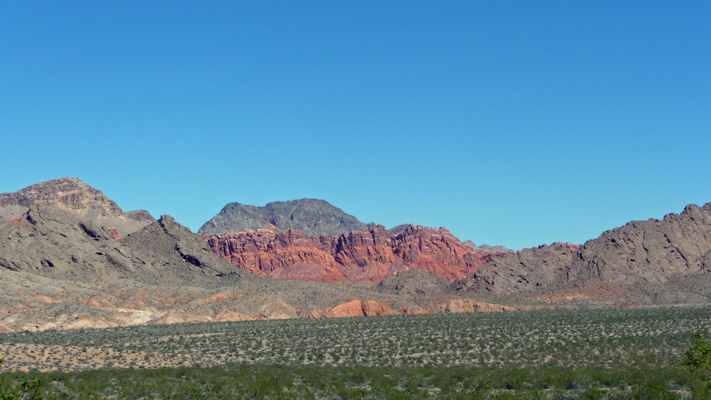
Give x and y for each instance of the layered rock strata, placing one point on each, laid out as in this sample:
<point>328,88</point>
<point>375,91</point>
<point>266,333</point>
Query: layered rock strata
<point>371,255</point>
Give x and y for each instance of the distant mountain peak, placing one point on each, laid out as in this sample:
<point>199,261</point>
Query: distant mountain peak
<point>67,193</point>
<point>73,195</point>
<point>314,217</point>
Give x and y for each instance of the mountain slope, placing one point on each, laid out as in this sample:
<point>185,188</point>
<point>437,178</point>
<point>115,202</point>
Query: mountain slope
<point>55,243</point>
<point>634,262</point>
<point>311,216</point>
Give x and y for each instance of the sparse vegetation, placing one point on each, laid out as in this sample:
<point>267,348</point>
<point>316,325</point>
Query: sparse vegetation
<point>634,353</point>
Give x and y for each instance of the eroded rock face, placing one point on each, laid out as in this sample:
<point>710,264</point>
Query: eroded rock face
<point>60,270</point>
<point>75,196</point>
<point>371,255</point>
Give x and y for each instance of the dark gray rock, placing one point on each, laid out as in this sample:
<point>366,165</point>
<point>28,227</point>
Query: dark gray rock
<point>311,216</point>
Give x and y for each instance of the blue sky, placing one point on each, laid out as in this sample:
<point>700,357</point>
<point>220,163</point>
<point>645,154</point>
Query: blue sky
<point>507,122</point>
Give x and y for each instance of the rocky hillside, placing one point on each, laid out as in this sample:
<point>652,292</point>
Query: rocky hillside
<point>640,262</point>
<point>73,195</point>
<point>372,255</point>
<point>311,216</point>
<point>55,243</point>
<point>61,272</point>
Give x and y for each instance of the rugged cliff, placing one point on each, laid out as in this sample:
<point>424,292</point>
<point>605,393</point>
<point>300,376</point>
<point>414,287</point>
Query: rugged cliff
<point>371,255</point>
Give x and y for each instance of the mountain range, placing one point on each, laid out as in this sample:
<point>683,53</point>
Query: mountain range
<point>71,258</point>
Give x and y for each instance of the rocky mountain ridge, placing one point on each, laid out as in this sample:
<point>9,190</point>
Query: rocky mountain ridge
<point>311,216</point>
<point>635,262</point>
<point>73,195</point>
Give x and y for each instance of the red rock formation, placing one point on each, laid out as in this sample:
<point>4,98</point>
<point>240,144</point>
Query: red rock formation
<point>114,233</point>
<point>227,315</point>
<point>371,255</point>
<point>19,221</point>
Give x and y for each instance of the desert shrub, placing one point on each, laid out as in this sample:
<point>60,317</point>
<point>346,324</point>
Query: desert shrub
<point>562,354</point>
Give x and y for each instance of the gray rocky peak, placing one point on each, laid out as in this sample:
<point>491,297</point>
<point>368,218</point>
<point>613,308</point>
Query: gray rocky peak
<point>311,216</point>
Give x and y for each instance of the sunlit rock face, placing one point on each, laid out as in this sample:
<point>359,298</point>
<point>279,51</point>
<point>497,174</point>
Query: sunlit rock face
<point>370,255</point>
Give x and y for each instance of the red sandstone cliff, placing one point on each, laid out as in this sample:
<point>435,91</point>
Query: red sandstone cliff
<point>371,255</point>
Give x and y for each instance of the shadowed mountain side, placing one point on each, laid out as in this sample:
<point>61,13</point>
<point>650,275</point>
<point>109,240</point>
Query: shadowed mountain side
<point>311,216</point>
<point>630,263</point>
<point>73,195</point>
<point>371,255</point>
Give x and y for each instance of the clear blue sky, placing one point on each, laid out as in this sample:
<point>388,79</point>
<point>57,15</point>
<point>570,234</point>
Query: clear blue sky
<point>507,122</point>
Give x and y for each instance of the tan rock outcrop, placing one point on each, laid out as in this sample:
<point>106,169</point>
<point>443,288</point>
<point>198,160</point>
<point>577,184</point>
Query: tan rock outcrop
<point>84,323</point>
<point>360,308</point>
<point>276,309</point>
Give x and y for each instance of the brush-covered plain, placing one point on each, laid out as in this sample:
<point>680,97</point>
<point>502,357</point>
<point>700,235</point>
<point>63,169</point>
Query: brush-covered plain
<point>595,353</point>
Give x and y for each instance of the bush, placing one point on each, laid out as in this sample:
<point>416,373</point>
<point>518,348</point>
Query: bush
<point>698,356</point>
